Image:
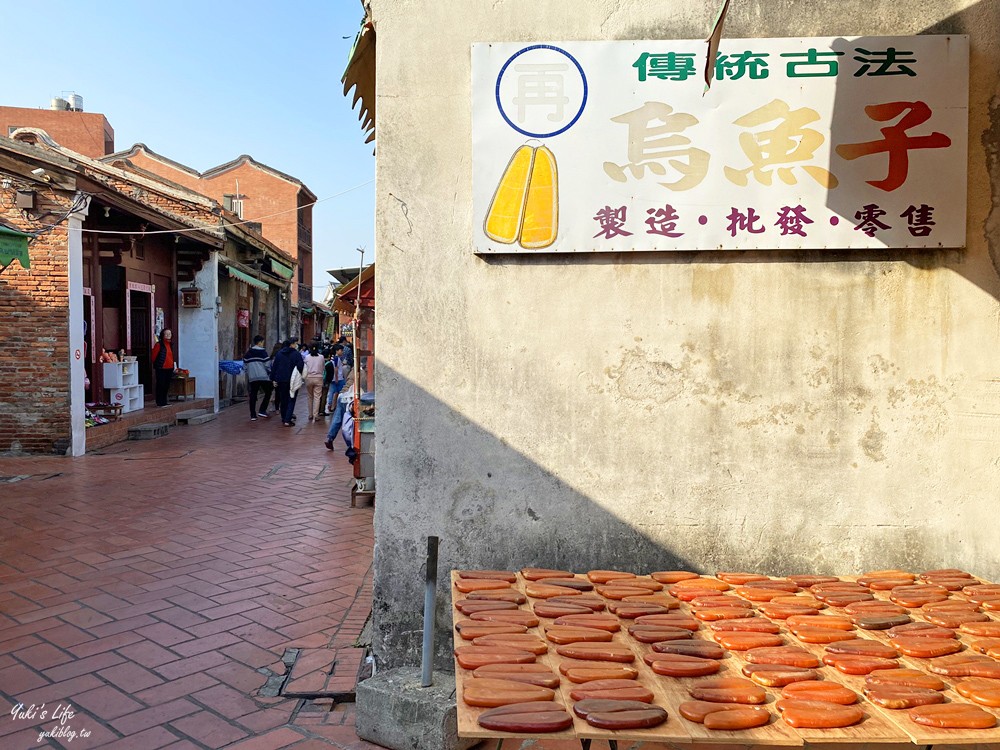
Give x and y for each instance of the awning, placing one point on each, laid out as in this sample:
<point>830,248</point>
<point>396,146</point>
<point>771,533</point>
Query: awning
<point>14,246</point>
<point>360,75</point>
<point>238,274</point>
<point>281,270</point>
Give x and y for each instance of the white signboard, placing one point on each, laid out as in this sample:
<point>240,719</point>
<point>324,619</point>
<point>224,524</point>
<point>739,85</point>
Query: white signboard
<point>799,143</point>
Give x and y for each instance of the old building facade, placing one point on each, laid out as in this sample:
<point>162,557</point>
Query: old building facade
<point>781,411</point>
<point>116,258</point>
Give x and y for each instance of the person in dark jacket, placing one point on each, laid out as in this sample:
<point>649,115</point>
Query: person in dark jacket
<point>164,364</point>
<point>277,402</point>
<point>258,364</point>
<point>285,361</point>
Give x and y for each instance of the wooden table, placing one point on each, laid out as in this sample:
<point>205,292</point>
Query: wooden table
<point>182,387</point>
<point>879,726</point>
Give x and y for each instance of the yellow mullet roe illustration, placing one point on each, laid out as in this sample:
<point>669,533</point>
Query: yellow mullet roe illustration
<point>525,206</point>
<point>541,209</point>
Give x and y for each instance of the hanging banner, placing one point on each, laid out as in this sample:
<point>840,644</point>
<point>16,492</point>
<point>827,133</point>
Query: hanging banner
<point>800,143</point>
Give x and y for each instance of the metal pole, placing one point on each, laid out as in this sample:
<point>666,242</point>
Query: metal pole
<point>430,594</point>
<point>356,324</point>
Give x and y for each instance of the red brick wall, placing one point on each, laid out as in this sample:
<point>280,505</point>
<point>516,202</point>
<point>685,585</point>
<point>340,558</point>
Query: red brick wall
<point>34,339</point>
<point>83,132</point>
<point>168,172</point>
<point>265,195</point>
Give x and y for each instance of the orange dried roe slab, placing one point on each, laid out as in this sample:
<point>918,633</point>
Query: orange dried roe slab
<point>803,714</point>
<point>953,716</point>
<point>897,697</point>
<point>820,690</point>
<point>905,678</point>
<point>728,690</point>
<point>539,717</point>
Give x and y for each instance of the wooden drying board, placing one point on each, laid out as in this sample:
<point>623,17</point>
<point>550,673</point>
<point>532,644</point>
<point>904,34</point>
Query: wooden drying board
<point>872,729</point>
<point>890,726</point>
<point>898,720</point>
<point>676,692</point>
<point>468,716</point>
<point>918,733</point>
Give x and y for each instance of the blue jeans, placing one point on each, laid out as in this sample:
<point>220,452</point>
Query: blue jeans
<point>337,421</point>
<point>335,388</point>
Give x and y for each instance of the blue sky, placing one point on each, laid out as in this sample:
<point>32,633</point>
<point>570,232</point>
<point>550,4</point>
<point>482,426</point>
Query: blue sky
<point>202,83</point>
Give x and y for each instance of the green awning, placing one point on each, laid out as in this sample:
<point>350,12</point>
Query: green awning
<point>283,271</point>
<point>238,274</point>
<point>14,246</point>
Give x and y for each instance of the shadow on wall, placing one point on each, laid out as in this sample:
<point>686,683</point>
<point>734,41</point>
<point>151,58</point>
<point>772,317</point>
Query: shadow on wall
<point>983,131</point>
<point>495,506</point>
<point>503,511</point>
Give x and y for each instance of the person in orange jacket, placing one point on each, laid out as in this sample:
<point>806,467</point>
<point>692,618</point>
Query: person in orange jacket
<point>164,364</point>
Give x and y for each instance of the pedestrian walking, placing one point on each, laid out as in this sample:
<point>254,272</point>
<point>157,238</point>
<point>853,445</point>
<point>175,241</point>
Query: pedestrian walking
<point>314,365</point>
<point>164,364</point>
<point>344,400</point>
<point>277,406</point>
<point>332,377</point>
<point>285,362</point>
<point>258,364</point>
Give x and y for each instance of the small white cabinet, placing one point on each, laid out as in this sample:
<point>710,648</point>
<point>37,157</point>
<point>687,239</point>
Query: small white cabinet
<point>121,380</point>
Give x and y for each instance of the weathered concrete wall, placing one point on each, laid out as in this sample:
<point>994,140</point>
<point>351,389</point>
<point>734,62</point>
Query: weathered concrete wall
<point>783,412</point>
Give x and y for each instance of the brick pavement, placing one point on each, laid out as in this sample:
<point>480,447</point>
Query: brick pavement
<point>155,586</point>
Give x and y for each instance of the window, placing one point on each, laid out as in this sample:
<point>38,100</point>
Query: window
<point>234,203</point>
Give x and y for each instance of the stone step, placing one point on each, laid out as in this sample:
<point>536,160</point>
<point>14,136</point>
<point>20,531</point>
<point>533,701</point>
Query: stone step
<point>201,418</point>
<point>184,416</point>
<point>148,431</point>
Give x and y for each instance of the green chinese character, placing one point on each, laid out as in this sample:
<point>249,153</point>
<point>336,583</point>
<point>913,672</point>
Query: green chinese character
<point>821,68</point>
<point>885,60</point>
<point>735,67</point>
<point>671,66</point>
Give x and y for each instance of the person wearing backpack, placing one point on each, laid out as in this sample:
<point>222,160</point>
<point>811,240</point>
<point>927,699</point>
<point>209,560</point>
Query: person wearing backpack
<point>258,364</point>
<point>287,361</point>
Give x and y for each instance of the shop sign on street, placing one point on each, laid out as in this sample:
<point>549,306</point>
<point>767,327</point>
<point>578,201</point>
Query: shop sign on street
<point>799,143</point>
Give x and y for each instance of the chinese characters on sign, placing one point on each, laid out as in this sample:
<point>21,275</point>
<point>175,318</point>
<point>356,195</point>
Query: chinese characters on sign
<point>614,146</point>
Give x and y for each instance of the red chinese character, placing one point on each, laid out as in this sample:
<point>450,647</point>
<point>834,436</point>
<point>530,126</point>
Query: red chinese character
<point>896,143</point>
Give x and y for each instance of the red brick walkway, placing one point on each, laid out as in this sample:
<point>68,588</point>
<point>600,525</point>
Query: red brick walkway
<point>154,588</point>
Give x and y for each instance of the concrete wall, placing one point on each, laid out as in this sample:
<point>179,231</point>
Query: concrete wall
<point>198,335</point>
<point>780,412</point>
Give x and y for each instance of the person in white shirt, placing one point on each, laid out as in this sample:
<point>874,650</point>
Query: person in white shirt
<point>313,374</point>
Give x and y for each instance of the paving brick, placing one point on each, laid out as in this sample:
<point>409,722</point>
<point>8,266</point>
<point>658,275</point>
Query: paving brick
<point>148,654</point>
<point>192,664</point>
<point>251,655</point>
<point>108,643</point>
<point>42,656</point>
<point>155,716</point>
<point>130,677</point>
<point>273,740</point>
<point>179,688</point>
<point>151,739</point>
<point>164,634</point>
<point>236,675</point>
<point>106,702</point>
<point>211,643</point>
<point>226,701</point>
<point>126,593</point>
<point>20,679</point>
<point>208,729</point>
